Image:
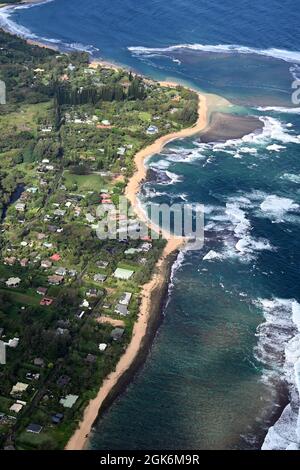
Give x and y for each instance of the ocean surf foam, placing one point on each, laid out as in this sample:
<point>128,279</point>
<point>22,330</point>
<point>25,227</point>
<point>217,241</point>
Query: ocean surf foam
<point>278,349</point>
<point>281,54</point>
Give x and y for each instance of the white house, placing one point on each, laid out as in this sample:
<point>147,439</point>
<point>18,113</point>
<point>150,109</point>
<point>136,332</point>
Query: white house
<point>13,282</point>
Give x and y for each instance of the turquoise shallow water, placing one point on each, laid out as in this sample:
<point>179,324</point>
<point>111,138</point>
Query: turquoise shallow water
<point>229,345</point>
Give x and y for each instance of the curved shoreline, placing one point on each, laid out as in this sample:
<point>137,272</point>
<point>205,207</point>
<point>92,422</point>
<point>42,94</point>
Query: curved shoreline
<point>157,283</point>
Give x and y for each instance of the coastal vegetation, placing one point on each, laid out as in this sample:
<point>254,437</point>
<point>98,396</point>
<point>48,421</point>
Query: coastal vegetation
<point>70,131</point>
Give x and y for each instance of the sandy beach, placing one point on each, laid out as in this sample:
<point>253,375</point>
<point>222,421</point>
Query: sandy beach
<point>79,439</point>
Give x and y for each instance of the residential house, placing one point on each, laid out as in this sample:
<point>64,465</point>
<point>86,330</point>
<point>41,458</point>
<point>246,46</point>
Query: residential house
<point>102,347</point>
<point>152,130</point>
<point>41,290</point>
<point>20,207</point>
<point>13,343</point>
<point>55,280</point>
<point>57,418</point>
<point>46,302</point>
<point>125,298</point>
<point>39,362</point>
<point>121,310</point>
<point>69,401</point>
<point>46,264</point>
<point>24,262</point>
<point>48,245</point>
<point>117,334</point>
<point>92,293</point>
<point>121,151</point>
<point>34,428</point>
<point>123,274</point>
<point>59,212</point>
<point>61,272</point>
<point>10,261</point>
<point>13,282</point>
<point>85,304</point>
<point>17,407</point>
<point>19,388</point>
<point>32,190</point>
<point>102,264</point>
<point>100,277</point>
<point>55,257</point>
<point>63,381</point>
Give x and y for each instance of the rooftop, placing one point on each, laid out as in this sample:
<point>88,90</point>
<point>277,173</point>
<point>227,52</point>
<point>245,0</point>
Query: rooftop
<point>124,274</point>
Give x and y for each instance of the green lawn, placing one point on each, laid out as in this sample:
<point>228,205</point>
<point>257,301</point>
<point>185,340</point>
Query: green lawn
<point>21,298</point>
<point>85,182</point>
<point>27,116</point>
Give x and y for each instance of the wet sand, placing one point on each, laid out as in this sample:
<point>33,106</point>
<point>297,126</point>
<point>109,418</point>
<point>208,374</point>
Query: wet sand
<point>228,126</point>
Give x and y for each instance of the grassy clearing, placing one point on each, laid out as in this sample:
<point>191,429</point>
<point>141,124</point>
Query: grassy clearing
<point>27,117</point>
<point>85,182</point>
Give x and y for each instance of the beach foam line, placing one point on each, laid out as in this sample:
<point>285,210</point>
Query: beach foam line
<point>281,54</point>
<point>278,109</point>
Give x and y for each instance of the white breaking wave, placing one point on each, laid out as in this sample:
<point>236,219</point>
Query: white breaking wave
<point>279,349</point>
<point>275,148</point>
<point>173,177</point>
<point>233,223</point>
<point>291,177</point>
<point>184,156</point>
<point>279,110</point>
<point>160,164</point>
<point>277,207</point>
<point>281,54</point>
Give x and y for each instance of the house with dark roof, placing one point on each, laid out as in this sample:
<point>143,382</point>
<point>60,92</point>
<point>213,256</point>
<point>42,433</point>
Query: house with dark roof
<point>121,310</point>
<point>57,418</point>
<point>34,428</point>
<point>41,290</point>
<point>117,334</point>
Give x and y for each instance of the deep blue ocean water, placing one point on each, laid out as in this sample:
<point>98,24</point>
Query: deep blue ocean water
<point>229,347</point>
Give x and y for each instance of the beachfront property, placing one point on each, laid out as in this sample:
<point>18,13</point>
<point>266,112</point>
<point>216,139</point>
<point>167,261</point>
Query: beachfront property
<point>121,310</point>
<point>123,274</point>
<point>125,298</point>
<point>152,130</point>
<point>117,334</point>
<point>69,401</point>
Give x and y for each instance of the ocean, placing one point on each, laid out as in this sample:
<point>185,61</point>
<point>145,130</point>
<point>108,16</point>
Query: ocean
<point>224,369</point>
